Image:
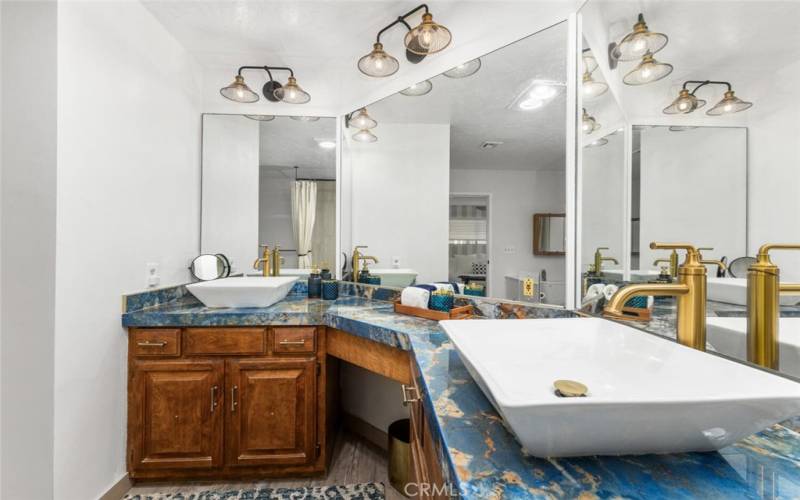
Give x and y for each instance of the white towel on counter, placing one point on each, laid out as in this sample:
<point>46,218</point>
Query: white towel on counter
<point>444,286</point>
<point>415,297</point>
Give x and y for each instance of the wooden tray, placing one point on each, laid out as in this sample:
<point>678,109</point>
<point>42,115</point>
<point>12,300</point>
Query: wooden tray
<point>463,312</point>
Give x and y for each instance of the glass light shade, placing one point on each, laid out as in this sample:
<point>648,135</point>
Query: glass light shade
<point>238,91</point>
<point>588,123</point>
<point>261,118</point>
<point>599,142</point>
<point>683,104</point>
<point>291,93</point>
<point>681,128</point>
<point>639,42</point>
<point>428,38</point>
<point>378,63</point>
<point>305,118</point>
<point>418,89</point>
<point>647,71</point>
<point>729,104</point>
<point>592,89</point>
<point>469,68</point>
<point>361,120</point>
<point>589,62</point>
<point>364,136</point>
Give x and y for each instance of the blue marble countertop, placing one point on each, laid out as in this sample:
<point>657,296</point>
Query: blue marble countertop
<point>479,456</point>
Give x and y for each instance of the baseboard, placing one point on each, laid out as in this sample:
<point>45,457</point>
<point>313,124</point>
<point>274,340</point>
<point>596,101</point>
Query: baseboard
<point>118,489</point>
<point>362,428</point>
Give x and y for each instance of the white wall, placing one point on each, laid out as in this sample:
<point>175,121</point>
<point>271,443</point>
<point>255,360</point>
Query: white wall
<point>28,247</point>
<point>400,197</point>
<point>694,188</point>
<point>603,198</point>
<point>128,184</point>
<point>516,196</point>
<point>230,189</point>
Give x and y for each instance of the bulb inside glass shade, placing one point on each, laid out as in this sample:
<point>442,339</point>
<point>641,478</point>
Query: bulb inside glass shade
<point>361,120</point>
<point>463,70</point>
<point>364,136</point>
<point>428,38</point>
<point>292,93</point>
<point>592,89</point>
<point>418,89</point>
<point>378,63</point>
<point>729,104</point>
<point>588,123</point>
<point>648,71</point>
<point>238,91</point>
<point>639,42</point>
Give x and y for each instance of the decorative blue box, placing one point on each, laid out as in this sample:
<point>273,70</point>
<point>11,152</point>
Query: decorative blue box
<point>330,289</point>
<point>441,302</point>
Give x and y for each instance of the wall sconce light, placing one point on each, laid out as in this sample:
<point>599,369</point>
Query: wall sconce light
<point>686,102</point>
<point>427,38</point>
<point>588,123</point>
<point>363,122</point>
<point>638,42</point>
<point>647,71</point>
<point>591,88</point>
<point>290,93</point>
<point>464,70</point>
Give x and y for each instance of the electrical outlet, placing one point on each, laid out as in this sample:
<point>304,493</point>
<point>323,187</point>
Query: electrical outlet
<point>510,249</point>
<point>151,270</point>
<point>396,262</point>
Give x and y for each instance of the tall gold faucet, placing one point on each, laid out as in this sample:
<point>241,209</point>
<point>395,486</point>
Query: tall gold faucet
<point>764,289</point>
<point>263,262</point>
<point>358,258</point>
<point>690,291</point>
<point>599,259</point>
<point>672,261</point>
<point>721,265</point>
<point>276,261</point>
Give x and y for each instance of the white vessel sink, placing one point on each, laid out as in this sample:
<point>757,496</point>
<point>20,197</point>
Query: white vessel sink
<point>242,292</point>
<point>734,291</point>
<point>395,277</point>
<point>645,394</point>
<point>729,336</point>
<point>636,274</point>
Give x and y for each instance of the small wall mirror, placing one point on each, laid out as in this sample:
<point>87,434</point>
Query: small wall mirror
<point>548,234</point>
<point>209,267</point>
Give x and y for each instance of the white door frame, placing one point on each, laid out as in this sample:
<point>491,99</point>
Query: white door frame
<point>489,213</point>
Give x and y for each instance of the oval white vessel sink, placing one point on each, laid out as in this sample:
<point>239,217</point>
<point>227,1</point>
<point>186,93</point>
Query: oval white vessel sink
<point>645,394</point>
<point>395,277</point>
<point>729,336</point>
<point>242,292</point>
<point>734,291</point>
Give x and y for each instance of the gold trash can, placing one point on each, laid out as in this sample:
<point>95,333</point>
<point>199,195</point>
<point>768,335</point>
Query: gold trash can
<point>400,454</point>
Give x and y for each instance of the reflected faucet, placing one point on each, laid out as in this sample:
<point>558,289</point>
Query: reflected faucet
<point>764,289</point>
<point>263,262</point>
<point>714,262</point>
<point>358,258</point>
<point>599,259</point>
<point>672,261</point>
<point>690,292</point>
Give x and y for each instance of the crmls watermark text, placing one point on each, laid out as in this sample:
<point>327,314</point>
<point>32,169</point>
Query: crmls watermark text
<point>427,490</point>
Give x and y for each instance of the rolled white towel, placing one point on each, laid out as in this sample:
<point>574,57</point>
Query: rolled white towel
<point>415,297</point>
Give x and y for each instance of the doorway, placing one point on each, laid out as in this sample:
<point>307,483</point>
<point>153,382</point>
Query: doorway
<point>469,247</point>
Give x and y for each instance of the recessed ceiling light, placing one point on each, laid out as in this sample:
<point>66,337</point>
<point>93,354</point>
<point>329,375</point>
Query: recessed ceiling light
<point>491,144</point>
<point>326,143</point>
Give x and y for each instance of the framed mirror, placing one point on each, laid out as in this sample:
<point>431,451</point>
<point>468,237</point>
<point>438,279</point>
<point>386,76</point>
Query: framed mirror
<point>549,234</point>
<point>444,178</point>
<point>269,180</point>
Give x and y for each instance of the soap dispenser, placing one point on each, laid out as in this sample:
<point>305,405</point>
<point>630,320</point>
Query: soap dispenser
<point>314,284</point>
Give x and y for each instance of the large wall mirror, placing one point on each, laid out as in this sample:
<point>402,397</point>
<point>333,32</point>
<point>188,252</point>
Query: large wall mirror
<point>269,180</point>
<point>445,186</point>
<point>690,163</point>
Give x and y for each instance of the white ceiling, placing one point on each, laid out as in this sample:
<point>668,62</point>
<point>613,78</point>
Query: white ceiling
<point>477,107</point>
<point>286,143</point>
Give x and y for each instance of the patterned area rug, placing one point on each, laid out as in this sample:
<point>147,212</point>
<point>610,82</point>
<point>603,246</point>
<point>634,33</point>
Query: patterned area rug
<point>364,491</point>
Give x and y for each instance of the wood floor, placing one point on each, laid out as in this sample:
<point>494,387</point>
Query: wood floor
<point>355,460</point>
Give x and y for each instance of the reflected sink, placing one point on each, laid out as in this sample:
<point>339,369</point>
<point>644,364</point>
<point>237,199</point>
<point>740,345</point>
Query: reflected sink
<point>242,292</point>
<point>645,394</point>
<point>729,336</point>
<point>734,291</point>
<point>636,274</point>
<point>395,277</point>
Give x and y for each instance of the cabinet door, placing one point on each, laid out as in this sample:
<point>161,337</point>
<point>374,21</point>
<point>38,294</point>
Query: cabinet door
<point>175,416</point>
<point>272,411</point>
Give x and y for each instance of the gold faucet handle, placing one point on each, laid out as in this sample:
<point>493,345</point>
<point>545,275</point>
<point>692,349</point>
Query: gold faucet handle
<point>765,249</point>
<point>692,254</point>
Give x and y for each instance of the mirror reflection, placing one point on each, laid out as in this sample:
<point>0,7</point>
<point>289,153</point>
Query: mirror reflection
<point>282,174</point>
<point>444,178</point>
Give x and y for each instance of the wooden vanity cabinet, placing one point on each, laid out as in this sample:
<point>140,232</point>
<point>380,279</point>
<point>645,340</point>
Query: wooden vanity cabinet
<point>426,471</point>
<point>227,402</point>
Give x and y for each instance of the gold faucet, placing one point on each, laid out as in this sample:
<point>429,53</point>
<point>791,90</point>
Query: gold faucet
<point>672,261</point>
<point>358,258</point>
<point>721,265</point>
<point>276,261</point>
<point>690,291</point>
<point>599,259</point>
<point>263,262</point>
<point>764,289</point>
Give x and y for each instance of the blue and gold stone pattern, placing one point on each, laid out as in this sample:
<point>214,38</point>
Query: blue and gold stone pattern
<point>480,458</point>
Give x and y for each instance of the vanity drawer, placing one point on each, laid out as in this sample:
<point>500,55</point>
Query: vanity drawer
<point>156,342</point>
<point>214,341</point>
<point>294,339</point>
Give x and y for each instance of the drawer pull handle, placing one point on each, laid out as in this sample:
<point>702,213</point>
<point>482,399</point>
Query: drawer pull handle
<point>214,398</point>
<point>292,342</point>
<point>406,399</point>
<point>147,343</point>
<point>234,403</point>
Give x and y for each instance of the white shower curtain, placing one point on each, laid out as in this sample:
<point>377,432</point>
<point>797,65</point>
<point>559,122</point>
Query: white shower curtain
<point>304,209</point>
